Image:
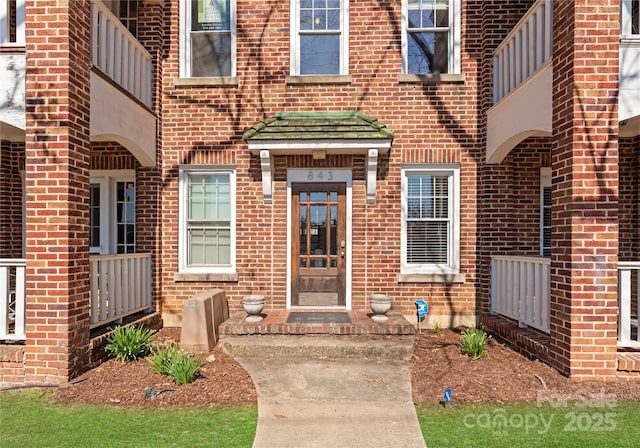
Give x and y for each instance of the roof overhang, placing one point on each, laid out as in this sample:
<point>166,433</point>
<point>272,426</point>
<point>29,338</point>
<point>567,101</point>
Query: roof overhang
<point>318,134</point>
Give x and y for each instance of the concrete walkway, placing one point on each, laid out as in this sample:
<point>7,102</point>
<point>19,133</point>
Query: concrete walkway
<point>331,396</point>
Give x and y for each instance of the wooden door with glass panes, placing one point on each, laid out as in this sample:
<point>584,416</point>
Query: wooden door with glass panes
<point>319,244</point>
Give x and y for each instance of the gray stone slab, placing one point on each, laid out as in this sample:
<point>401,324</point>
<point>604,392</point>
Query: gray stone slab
<point>333,402</point>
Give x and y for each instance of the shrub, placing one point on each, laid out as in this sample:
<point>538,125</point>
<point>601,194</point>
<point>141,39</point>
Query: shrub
<point>437,328</point>
<point>130,343</point>
<point>174,363</point>
<point>473,342</point>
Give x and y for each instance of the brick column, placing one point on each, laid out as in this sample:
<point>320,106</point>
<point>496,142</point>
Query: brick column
<point>57,185</point>
<point>584,253</point>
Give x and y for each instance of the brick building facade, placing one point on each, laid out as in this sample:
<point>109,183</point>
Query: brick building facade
<point>318,153</point>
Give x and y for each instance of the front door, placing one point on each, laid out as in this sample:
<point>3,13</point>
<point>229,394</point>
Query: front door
<point>319,244</point>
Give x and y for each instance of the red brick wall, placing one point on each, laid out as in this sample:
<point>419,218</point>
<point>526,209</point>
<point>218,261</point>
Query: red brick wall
<point>57,186</point>
<point>433,123</point>
<point>585,194</point>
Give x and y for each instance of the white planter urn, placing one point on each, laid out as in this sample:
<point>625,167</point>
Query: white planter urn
<point>380,304</point>
<point>253,305</point>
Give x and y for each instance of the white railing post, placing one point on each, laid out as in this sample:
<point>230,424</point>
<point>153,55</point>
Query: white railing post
<point>119,55</point>
<point>120,286</point>
<point>521,290</point>
<point>524,51</point>
<point>12,299</point>
<point>627,320</point>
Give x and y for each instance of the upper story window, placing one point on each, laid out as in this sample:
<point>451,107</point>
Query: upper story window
<point>207,220</point>
<point>431,37</point>
<point>430,220</point>
<point>319,37</point>
<point>207,38</point>
<point>630,18</point>
<point>128,15</point>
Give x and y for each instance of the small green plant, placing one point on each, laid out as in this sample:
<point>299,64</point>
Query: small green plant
<point>437,328</point>
<point>130,343</point>
<point>473,342</point>
<point>174,363</point>
<point>160,360</point>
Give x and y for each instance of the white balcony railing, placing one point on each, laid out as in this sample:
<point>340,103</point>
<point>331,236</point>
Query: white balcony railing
<point>521,290</point>
<point>119,55</point>
<point>120,286</point>
<point>524,51</point>
<point>628,304</point>
<point>12,299</point>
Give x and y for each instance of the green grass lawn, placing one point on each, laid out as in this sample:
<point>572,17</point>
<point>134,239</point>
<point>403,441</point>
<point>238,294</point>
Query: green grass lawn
<point>31,419</point>
<point>576,425</point>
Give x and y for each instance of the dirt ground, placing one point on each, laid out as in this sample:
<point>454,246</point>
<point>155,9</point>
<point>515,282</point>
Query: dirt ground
<point>437,364</point>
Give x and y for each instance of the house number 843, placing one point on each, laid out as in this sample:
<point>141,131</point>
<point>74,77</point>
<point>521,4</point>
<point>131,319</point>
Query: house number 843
<point>320,175</point>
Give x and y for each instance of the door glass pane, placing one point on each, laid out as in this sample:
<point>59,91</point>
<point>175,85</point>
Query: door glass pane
<point>318,230</point>
<point>125,217</point>
<point>303,230</point>
<point>94,215</point>
<point>333,232</point>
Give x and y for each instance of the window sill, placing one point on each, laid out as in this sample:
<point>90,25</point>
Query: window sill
<point>221,81</point>
<point>445,77</point>
<point>319,79</point>
<point>430,278</point>
<point>205,277</point>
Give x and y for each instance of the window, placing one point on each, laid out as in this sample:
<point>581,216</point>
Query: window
<point>431,37</point>
<point>545,212</point>
<point>207,39</point>
<point>128,15</point>
<point>207,220</point>
<point>319,37</point>
<point>430,220</point>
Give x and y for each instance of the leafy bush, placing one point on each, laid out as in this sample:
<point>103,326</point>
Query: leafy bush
<point>174,363</point>
<point>130,343</point>
<point>437,328</point>
<point>473,342</point>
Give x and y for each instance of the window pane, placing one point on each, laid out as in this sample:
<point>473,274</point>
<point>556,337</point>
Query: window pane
<point>94,215</point>
<point>427,242</point>
<point>320,55</point>
<point>427,53</point>
<point>210,15</point>
<point>442,13</point>
<point>209,197</point>
<point>209,246</point>
<point>210,54</point>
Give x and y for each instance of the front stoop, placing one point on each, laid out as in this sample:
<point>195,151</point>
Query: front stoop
<point>361,326</point>
<point>274,337</point>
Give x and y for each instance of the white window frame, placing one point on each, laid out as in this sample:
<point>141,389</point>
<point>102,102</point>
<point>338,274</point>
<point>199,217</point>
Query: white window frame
<point>545,182</point>
<point>295,39</point>
<point>185,38</point>
<point>184,173</point>
<point>454,65</point>
<point>108,181</point>
<point>626,20</point>
<point>453,249</point>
